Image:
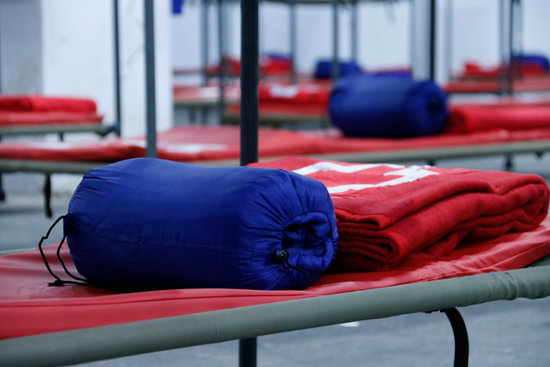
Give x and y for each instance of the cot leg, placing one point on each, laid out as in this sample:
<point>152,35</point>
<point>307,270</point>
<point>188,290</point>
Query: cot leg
<point>460,333</point>
<point>509,164</point>
<point>2,192</point>
<point>204,116</point>
<point>248,352</point>
<point>47,190</point>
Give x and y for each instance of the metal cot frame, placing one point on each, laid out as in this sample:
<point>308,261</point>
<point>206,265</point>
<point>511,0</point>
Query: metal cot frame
<point>247,323</point>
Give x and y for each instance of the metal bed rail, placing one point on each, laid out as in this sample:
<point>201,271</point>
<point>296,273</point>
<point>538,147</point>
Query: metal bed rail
<point>85,345</point>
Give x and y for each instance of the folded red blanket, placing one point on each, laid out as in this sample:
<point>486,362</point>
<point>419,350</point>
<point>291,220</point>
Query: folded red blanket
<point>9,118</point>
<point>472,118</point>
<point>474,70</point>
<point>37,103</point>
<point>525,84</point>
<point>387,213</point>
<point>268,66</point>
<point>295,94</point>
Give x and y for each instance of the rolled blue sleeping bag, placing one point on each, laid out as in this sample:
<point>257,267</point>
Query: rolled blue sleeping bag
<point>387,106</point>
<point>533,59</point>
<point>323,69</point>
<point>152,224</point>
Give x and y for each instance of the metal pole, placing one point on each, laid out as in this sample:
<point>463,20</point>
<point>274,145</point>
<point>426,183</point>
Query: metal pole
<point>205,40</point>
<point>460,333</point>
<point>150,100</point>
<point>511,61</point>
<point>116,36</point>
<point>354,31</point>
<point>249,123</point>
<point>222,64</point>
<point>519,26</point>
<point>248,352</point>
<point>505,52</point>
<point>335,35</point>
<point>249,81</point>
<point>432,13</point>
<point>449,38</point>
<point>0,87</point>
<point>293,35</point>
<point>518,36</point>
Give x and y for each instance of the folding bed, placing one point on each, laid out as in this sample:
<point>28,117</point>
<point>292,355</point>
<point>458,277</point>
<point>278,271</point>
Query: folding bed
<point>75,323</point>
<point>65,321</point>
<point>36,114</point>
<point>219,145</point>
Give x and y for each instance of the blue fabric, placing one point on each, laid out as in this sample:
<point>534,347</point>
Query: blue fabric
<point>151,223</point>
<point>534,59</point>
<point>389,72</point>
<point>276,55</point>
<point>387,106</point>
<point>323,69</point>
<point>177,6</point>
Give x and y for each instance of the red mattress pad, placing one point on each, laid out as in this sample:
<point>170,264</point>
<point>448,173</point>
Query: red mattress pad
<point>29,306</point>
<point>207,93</point>
<point>36,103</point>
<point>190,143</point>
<point>203,143</point>
<point>9,118</point>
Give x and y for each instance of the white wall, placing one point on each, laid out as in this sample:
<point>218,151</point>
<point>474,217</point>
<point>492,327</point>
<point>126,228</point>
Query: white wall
<point>65,47</point>
<point>377,22</point>
<point>78,57</point>
<point>384,33</point>
<point>20,46</point>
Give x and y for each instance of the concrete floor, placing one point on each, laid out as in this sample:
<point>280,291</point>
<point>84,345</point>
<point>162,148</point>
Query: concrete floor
<point>504,333</point>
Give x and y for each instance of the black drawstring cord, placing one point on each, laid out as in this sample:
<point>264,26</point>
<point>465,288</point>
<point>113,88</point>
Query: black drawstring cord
<point>281,256</point>
<point>79,279</point>
<point>58,281</point>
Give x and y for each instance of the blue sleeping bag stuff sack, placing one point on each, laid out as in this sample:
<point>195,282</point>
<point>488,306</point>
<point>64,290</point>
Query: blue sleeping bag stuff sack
<point>387,106</point>
<point>151,223</point>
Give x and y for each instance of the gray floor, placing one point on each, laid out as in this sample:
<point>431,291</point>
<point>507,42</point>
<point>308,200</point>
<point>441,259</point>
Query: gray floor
<point>506,333</point>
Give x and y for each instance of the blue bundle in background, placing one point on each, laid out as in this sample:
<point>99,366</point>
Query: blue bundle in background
<point>149,223</point>
<point>539,60</point>
<point>323,69</point>
<point>387,106</point>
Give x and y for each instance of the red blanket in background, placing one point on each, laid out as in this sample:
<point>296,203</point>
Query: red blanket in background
<point>268,66</point>
<point>37,103</point>
<point>387,213</point>
<point>184,144</point>
<point>9,118</point>
<point>474,70</point>
<point>295,94</point>
<point>473,118</point>
<point>307,99</point>
<point>204,143</point>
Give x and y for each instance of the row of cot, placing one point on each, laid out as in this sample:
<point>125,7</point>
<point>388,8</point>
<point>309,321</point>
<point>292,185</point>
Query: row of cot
<point>377,119</point>
<point>407,239</point>
<point>219,314</point>
<point>510,251</point>
<point>281,102</point>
